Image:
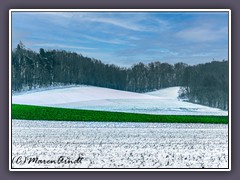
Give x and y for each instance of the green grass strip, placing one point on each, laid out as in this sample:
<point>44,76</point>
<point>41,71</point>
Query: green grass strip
<point>29,112</point>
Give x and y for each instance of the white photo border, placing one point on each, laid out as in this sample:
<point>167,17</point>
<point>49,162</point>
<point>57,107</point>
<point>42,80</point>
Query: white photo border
<point>119,10</point>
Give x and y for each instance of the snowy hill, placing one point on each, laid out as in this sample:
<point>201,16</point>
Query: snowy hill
<point>163,101</point>
<point>166,93</point>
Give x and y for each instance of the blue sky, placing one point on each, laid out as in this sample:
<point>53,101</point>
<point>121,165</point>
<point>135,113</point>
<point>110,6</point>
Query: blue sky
<point>125,38</point>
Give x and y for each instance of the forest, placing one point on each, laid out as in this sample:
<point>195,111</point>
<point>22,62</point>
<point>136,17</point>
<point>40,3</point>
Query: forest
<point>205,84</point>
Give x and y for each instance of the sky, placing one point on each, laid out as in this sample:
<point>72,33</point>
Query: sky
<point>127,38</point>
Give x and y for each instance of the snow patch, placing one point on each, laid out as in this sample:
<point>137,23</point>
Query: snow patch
<point>166,93</point>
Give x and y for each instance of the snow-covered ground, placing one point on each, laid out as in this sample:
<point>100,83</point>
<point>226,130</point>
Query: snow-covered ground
<point>166,93</point>
<point>118,145</point>
<point>163,101</point>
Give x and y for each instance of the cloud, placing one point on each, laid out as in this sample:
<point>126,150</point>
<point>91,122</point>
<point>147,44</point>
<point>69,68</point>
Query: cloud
<point>201,34</point>
<point>126,24</point>
<point>101,17</point>
<point>62,46</point>
<point>109,41</point>
<point>125,20</point>
<point>129,21</point>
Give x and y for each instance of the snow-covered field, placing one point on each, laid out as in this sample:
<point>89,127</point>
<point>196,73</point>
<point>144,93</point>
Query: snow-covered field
<point>163,101</point>
<point>119,145</point>
<point>50,144</point>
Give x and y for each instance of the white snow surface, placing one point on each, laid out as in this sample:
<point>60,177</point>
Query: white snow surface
<point>164,101</point>
<point>166,93</point>
<point>119,145</point>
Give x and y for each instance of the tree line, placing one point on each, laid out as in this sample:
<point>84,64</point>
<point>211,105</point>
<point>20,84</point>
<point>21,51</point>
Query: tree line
<point>204,83</point>
<point>207,84</point>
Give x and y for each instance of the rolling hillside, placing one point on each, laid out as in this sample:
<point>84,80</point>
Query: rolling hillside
<point>162,101</point>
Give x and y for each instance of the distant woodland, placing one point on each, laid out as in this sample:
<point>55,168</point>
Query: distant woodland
<point>205,84</point>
